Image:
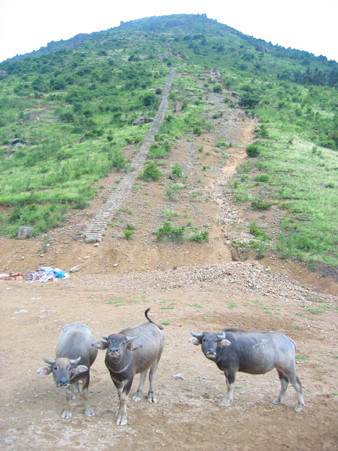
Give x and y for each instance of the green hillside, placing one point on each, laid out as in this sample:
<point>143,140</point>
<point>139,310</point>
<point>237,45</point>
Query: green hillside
<point>66,115</point>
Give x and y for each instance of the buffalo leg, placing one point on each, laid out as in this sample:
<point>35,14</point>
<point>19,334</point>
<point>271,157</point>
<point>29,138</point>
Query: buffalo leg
<point>290,375</point>
<point>119,388</point>
<point>151,395</point>
<point>139,393</point>
<point>89,412</point>
<point>230,381</point>
<point>67,411</point>
<point>297,385</point>
<point>284,381</point>
<point>122,413</point>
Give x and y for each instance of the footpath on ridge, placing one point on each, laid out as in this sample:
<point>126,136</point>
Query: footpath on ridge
<point>98,224</point>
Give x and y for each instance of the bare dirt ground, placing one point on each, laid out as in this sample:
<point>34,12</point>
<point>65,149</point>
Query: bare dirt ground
<point>186,285</point>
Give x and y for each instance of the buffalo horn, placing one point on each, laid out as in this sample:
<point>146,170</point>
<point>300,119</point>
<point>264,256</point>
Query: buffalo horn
<point>105,337</point>
<point>199,336</point>
<point>130,338</point>
<point>49,362</point>
<point>75,361</point>
<point>221,336</point>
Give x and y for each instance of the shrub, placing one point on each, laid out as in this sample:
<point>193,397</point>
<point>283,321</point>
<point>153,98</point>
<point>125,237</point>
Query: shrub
<point>249,100</point>
<point>149,99</point>
<point>257,232</point>
<point>171,193</point>
<point>158,91</point>
<point>128,234</point>
<point>217,88</point>
<point>252,150</point>
<point>200,237</point>
<point>176,169</point>
<point>260,204</point>
<point>117,159</point>
<point>263,132</point>
<point>169,232</point>
<point>197,130</point>
<point>151,172</point>
<point>262,178</point>
<point>156,152</point>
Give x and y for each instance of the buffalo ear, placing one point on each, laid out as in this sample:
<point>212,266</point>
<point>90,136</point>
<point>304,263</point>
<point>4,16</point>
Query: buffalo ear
<point>195,341</point>
<point>224,342</point>
<point>100,344</point>
<point>45,370</point>
<point>77,372</point>
<point>133,345</point>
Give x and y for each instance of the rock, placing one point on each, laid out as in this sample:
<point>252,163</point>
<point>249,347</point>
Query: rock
<point>75,268</point>
<point>161,56</point>
<point>15,142</point>
<point>141,120</point>
<point>174,176</point>
<point>263,48</point>
<point>179,376</point>
<point>25,232</point>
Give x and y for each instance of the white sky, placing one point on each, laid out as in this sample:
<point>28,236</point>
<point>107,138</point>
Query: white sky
<point>311,25</point>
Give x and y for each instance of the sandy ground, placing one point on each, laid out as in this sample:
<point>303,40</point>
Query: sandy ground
<point>188,413</point>
<point>186,285</point>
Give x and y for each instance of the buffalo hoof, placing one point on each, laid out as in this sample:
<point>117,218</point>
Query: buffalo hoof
<point>137,397</point>
<point>90,414</point>
<point>121,421</point>
<point>225,402</point>
<point>151,397</point>
<point>276,401</point>
<point>299,408</point>
<point>66,415</point>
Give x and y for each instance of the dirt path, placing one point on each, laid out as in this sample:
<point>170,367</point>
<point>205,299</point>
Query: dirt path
<point>186,285</point>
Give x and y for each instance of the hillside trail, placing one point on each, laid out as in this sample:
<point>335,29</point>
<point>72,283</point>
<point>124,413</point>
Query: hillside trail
<point>187,285</point>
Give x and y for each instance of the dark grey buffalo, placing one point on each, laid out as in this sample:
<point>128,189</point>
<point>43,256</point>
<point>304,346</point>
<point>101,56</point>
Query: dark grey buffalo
<point>74,356</point>
<point>129,352</point>
<point>252,352</point>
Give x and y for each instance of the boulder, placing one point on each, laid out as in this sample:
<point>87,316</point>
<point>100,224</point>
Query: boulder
<point>263,48</point>
<point>25,232</point>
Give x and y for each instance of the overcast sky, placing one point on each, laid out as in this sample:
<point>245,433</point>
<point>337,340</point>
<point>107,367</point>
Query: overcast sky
<point>27,25</point>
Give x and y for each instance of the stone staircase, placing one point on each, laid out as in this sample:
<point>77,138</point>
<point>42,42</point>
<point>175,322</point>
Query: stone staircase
<point>98,224</point>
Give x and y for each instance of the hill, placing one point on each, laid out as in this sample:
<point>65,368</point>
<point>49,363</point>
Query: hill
<point>216,208</point>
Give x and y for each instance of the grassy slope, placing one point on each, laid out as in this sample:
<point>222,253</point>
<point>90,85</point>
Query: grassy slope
<point>97,88</point>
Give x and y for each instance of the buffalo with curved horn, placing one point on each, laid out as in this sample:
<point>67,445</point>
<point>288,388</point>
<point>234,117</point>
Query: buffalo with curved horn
<point>130,352</point>
<point>251,352</point>
<point>74,357</point>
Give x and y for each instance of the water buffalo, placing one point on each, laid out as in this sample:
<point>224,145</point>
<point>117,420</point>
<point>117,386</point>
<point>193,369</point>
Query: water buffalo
<point>74,356</point>
<point>251,352</point>
<point>129,352</point>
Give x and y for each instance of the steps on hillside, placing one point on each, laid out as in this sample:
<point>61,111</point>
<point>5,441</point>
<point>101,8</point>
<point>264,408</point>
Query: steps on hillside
<point>98,224</point>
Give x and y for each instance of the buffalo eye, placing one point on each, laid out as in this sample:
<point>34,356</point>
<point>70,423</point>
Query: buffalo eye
<point>203,339</point>
<point>55,368</point>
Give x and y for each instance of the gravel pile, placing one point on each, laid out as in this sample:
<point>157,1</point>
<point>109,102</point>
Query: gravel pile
<point>243,276</point>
